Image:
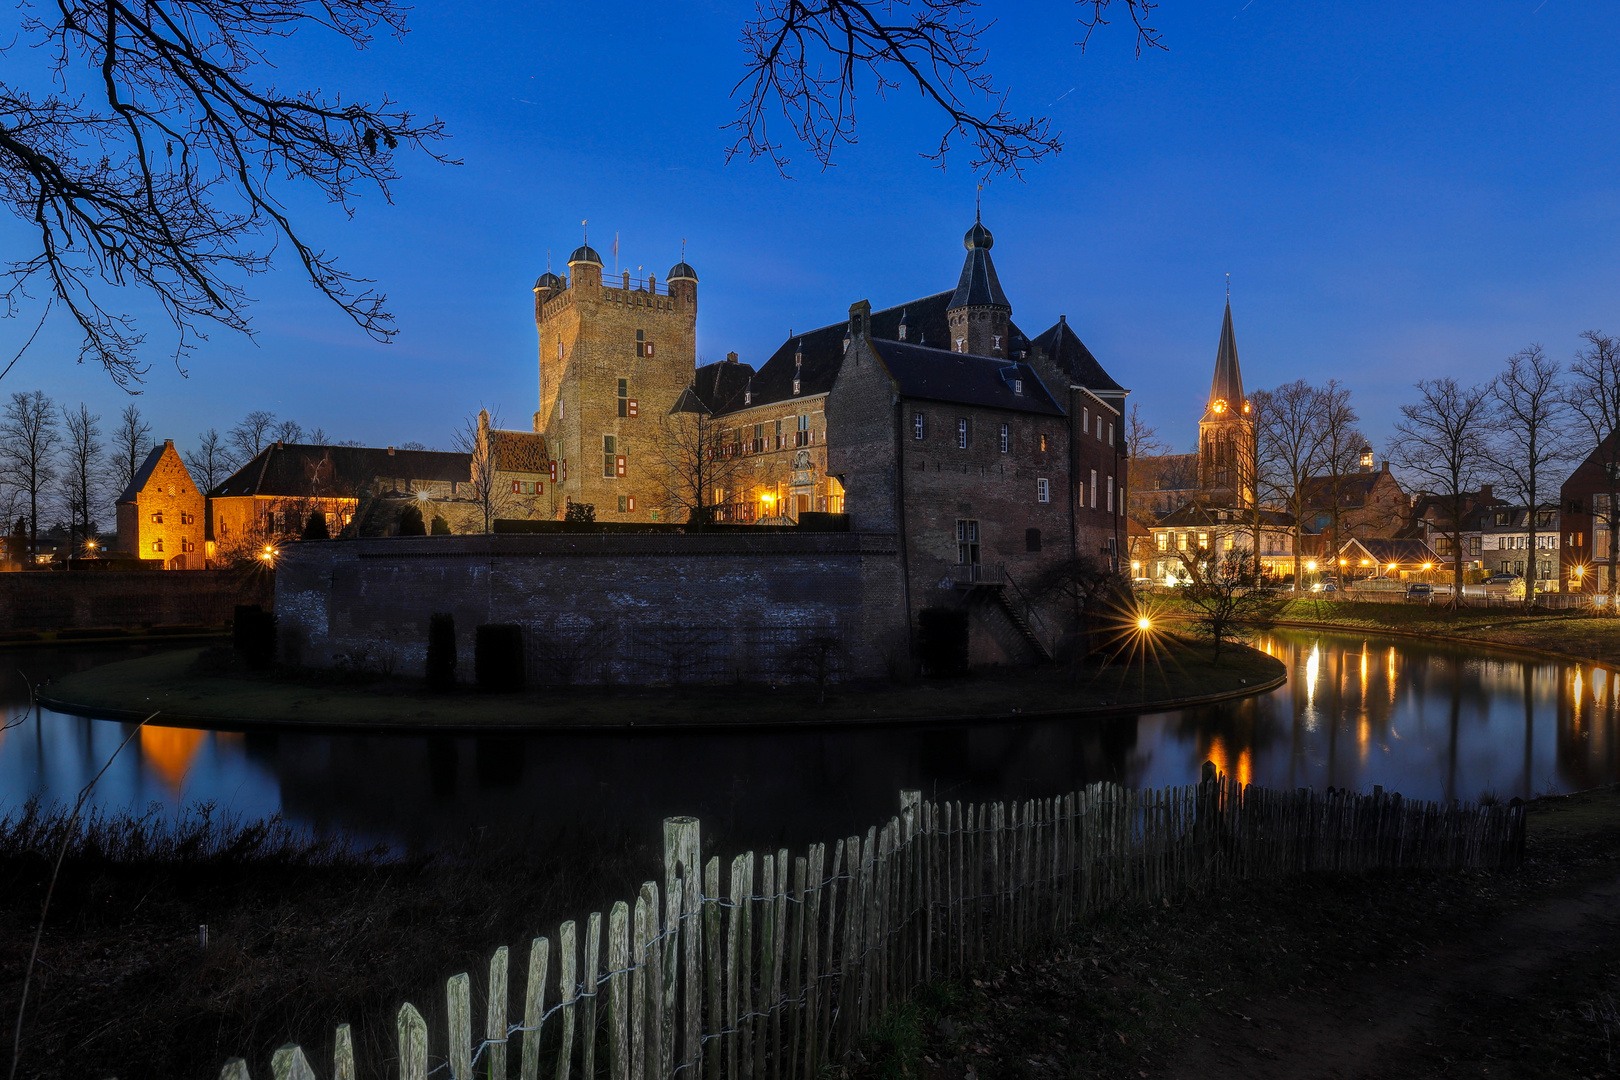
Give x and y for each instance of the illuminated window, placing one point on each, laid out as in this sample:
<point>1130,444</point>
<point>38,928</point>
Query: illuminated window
<point>1163,540</point>
<point>157,518</point>
<point>1043,490</point>
<point>157,545</point>
<point>1043,444</point>
<point>1230,541</point>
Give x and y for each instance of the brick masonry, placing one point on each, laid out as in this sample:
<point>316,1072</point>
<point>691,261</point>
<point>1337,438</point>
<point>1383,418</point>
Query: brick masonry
<point>122,599</point>
<point>601,608</point>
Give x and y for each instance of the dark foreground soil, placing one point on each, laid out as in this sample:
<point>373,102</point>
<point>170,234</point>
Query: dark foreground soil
<point>1422,976</point>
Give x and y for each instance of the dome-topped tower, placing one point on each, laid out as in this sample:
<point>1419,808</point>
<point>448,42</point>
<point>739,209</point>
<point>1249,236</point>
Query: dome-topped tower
<point>978,313</point>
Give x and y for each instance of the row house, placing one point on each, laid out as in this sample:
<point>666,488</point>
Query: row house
<point>1205,533</point>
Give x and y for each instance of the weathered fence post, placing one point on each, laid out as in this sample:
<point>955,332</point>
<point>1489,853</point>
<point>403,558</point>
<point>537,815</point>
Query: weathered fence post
<point>683,980</point>
<point>343,1054</point>
<point>289,1063</point>
<point>458,1023</point>
<point>413,1040</point>
<point>534,1007</point>
<point>567,995</point>
<point>495,1016</point>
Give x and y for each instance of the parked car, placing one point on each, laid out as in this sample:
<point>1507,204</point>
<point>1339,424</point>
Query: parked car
<point>1420,590</point>
<point>1501,579</point>
<point>1324,586</point>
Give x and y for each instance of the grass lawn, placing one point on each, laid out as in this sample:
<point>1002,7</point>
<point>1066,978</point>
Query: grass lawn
<point>1573,633</point>
<point>1417,975</point>
<point>172,684</point>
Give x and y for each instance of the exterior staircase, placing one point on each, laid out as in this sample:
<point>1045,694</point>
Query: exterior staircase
<point>1021,624</point>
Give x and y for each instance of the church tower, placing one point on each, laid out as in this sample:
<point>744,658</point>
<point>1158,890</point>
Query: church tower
<point>978,313</point>
<point>1226,433</point>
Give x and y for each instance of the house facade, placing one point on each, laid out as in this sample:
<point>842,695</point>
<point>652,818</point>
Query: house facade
<point>1204,533</point>
<point>161,514</point>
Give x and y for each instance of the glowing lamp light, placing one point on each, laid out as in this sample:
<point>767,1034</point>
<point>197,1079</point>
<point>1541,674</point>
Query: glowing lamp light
<point>1365,562</point>
<point>1392,566</point>
<point>1311,566</point>
<point>1426,566</point>
<point>1144,623</point>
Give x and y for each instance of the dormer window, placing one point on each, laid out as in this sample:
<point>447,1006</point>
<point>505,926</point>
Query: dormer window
<point>1018,386</point>
<point>795,386</point>
<point>996,342</point>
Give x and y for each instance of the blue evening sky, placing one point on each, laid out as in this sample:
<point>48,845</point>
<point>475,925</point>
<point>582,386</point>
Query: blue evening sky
<point>1397,190</point>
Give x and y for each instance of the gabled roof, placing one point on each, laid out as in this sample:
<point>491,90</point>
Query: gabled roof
<point>1354,489</point>
<point>295,470</point>
<point>1385,552</point>
<point>1227,385</point>
<point>142,475</point>
<point>821,352</point>
<point>1198,514</point>
<point>716,387</point>
<point>929,374</point>
<point>1070,355</point>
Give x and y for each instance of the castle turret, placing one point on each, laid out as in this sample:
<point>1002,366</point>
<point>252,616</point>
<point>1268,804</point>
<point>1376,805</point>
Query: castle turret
<point>683,282</point>
<point>546,286</point>
<point>585,266</point>
<point>979,313</point>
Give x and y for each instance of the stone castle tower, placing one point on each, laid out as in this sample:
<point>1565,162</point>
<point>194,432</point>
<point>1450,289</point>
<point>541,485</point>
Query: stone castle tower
<point>1226,433</point>
<point>978,313</point>
<point>614,355</point>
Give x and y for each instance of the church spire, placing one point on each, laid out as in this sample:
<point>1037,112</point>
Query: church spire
<point>1226,389</point>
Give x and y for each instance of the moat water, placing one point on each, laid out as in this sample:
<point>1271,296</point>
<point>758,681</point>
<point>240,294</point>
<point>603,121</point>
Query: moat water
<point>1428,720</point>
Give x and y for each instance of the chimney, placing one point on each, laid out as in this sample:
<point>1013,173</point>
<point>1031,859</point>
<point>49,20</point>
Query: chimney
<point>168,444</point>
<point>1485,493</point>
<point>731,358</point>
<point>390,451</point>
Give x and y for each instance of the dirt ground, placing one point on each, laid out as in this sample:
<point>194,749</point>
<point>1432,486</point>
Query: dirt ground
<point>1429,976</point>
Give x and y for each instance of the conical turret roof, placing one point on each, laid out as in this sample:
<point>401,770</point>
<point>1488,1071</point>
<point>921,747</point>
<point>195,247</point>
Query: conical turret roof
<point>979,286</point>
<point>1226,390</point>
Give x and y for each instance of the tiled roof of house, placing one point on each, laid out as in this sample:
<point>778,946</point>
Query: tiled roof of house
<point>717,387</point>
<point>1393,551</point>
<point>517,451</point>
<point>294,470</point>
<point>142,475</point>
<point>1204,515</point>
<point>930,374</point>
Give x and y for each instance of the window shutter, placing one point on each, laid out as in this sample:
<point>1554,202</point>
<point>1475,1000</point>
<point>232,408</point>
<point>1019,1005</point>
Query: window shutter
<point>517,487</point>
<point>633,410</point>
<point>553,470</point>
<point>565,470</point>
<point>618,465</point>
<point>649,350</point>
<point>632,502</point>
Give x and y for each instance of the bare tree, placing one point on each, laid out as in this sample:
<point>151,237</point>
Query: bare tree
<point>1528,439</point>
<point>1593,395</point>
<point>492,497</point>
<point>319,437</point>
<point>288,431</point>
<point>83,458</point>
<point>808,62</point>
<point>1342,444</point>
<point>1141,439</point>
<point>29,443</point>
<point>1252,468</point>
<point>249,437</point>
<point>1224,602</point>
<point>1440,442</point>
<point>131,442</point>
<point>1289,433</point>
<point>700,470</point>
<point>1143,444</point>
<point>210,462</point>
<point>150,159</point>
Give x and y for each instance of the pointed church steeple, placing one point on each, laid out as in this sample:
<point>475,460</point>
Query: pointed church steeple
<point>1226,433</point>
<point>1226,389</point>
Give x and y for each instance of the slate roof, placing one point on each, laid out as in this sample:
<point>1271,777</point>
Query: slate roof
<point>142,475</point>
<point>716,388</point>
<point>515,451</point>
<point>1354,488</point>
<point>822,350</point>
<point>979,284</point>
<point>1228,382</point>
<point>1070,354</point>
<point>931,374</point>
<point>295,470</point>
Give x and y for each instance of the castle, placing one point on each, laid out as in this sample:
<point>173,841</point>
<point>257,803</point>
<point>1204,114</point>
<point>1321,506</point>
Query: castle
<point>938,414</point>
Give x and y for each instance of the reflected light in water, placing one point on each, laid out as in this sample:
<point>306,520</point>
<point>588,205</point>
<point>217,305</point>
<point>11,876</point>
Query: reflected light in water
<point>1313,664</point>
<point>1575,703</point>
<point>1392,674</point>
<point>170,750</point>
<point>1600,680</point>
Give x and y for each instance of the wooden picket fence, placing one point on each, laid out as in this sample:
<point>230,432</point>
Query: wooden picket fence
<point>771,968</point>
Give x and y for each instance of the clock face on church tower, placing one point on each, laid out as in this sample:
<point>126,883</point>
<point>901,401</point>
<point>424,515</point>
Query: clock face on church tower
<point>1218,405</point>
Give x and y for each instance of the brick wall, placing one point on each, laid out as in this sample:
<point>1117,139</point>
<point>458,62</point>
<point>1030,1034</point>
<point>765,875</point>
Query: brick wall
<point>124,599</point>
<point>598,608</point>
<point>165,522</point>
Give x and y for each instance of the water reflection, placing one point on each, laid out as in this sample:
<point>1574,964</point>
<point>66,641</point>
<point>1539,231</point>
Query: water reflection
<point>1428,720</point>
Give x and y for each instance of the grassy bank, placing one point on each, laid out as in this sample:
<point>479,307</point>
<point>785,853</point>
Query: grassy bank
<point>176,685</point>
<point>1412,975</point>
<point>1573,633</point>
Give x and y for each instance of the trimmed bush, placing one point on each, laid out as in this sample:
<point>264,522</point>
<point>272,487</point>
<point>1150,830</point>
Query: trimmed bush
<point>441,652</point>
<point>942,642</point>
<point>440,526</point>
<point>410,522</point>
<point>498,657</point>
<point>253,634</point>
<point>580,512</point>
<point>315,527</point>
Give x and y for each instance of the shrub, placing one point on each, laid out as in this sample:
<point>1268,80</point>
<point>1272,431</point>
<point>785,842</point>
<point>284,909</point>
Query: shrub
<point>942,641</point>
<point>441,652</point>
<point>498,657</point>
<point>253,634</point>
<point>440,526</point>
<point>315,527</point>
<point>580,511</point>
<point>410,522</point>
